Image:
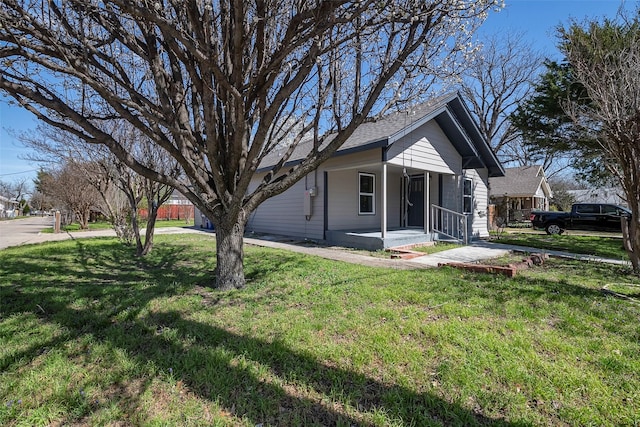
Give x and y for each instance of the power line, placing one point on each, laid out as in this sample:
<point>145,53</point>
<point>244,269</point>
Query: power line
<point>18,173</point>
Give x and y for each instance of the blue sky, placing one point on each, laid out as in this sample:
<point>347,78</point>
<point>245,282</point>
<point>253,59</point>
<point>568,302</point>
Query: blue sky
<point>536,19</point>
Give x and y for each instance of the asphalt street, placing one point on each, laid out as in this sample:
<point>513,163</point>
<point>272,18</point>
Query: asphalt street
<point>25,231</point>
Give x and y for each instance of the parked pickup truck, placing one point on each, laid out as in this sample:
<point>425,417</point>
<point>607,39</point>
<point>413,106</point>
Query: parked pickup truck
<point>583,216</point>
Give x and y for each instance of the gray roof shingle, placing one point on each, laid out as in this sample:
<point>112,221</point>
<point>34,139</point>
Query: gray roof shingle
<point>369,132</point>
<point>468,139</point>
<point>519,181</point>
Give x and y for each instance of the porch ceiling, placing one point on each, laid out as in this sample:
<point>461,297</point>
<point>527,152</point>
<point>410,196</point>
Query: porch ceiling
<point>390,167</point>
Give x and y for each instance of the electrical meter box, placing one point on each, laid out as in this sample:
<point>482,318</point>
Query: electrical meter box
<point>308,194</point>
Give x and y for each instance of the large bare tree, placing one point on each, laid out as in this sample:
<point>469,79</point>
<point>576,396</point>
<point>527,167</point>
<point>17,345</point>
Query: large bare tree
<point>605,58</point>
<point>137,187</point>
<point>217,83</point>
<point>496,81</point>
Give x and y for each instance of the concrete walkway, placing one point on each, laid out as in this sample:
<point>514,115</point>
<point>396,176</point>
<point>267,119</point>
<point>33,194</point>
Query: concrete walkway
<point>475,252</point>
<point>483,250</point>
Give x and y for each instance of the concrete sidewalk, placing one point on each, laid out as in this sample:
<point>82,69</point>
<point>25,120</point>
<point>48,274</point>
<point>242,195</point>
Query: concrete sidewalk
<point>334,253</point>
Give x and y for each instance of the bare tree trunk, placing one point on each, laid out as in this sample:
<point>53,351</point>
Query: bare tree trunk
<point>187,214</point>
<point>135,226</point>
<point>631,241</point>
<point>148,235</point>
<point>133,212</point>
<point>229,255</point>
<point>83,218</point>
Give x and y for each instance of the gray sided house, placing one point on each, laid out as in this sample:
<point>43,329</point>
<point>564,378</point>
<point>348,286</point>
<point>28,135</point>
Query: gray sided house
<point>407,178</point>
<point>519,191</point>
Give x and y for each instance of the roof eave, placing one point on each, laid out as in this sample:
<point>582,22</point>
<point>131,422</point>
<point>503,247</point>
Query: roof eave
<point>488,156</point>
<point>366,147</point>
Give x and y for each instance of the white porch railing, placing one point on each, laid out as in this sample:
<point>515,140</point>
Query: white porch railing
<point>450,223</point>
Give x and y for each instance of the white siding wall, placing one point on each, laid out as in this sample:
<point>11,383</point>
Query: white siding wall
<point>197,218</point>
<point>394,198</point>
<point>283,214</point>
<point>426,148</point>
<point>433,190</point>
<point>343,200</point>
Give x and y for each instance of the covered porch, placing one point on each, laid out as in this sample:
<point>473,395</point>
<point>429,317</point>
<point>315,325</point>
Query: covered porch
<point>395,206</point>
<point>373,239</point>
<point>518,208</point>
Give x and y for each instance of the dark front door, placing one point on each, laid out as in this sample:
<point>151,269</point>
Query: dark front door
<point>415,215</point>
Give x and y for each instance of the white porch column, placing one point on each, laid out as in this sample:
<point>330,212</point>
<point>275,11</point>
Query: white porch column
<point>427,202</point>
<point>383,216</point>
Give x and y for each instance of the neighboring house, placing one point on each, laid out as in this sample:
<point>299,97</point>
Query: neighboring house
<point>520,191</point>
<point>407,178</point>
<point>8,207</point>
<point>611,195</point>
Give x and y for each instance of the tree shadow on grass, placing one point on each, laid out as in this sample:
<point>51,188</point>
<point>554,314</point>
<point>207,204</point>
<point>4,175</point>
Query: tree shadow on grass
<point>261,381</point>
<point>298,389</point>
<point>224,367</point>
<point>220,365</point>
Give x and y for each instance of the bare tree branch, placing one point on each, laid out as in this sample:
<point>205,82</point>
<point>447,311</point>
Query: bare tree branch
<point>208,80</point>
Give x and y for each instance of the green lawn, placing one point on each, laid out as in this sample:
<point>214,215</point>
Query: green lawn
<point>172,223</point>
<point>104,225</point>
<point>90,335</point>
<point>607,247</point>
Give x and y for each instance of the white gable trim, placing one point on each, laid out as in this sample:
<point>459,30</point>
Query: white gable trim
<point>415,125</point>
<point>433,116</point>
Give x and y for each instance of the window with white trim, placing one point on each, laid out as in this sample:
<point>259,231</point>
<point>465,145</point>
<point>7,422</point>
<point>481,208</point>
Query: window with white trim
<point>467,196</point>
<point>366,193</point>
